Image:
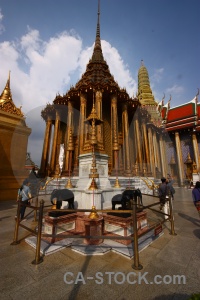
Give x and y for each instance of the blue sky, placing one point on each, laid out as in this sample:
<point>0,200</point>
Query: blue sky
<point>47,44</point>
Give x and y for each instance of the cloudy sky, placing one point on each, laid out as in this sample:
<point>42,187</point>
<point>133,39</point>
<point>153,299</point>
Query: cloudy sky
<point>47,44</point>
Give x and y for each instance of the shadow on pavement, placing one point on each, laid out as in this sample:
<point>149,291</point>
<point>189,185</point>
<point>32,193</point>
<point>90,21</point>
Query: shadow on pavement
<point>4,205</point>
<point>195,221</point>
<point>197,234</point>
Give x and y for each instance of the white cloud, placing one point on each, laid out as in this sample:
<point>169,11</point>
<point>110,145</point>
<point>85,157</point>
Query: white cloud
<point>41,69</point>
<point>118,69</point>
<point>48,65</point>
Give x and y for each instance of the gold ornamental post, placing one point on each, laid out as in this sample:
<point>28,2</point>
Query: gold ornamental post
<point>116,151</point>
<point>94,120</point>
<point>70,148</point>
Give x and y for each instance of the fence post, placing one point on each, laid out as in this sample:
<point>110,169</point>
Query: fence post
<point>136,264</point>
<point>38,259</point>
<point>171,216</point>
<point>35,211</point>
<point>17,221</point>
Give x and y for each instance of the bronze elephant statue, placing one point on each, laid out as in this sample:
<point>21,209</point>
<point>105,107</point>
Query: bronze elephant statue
<point>125,197</point>
<point>63,195</point>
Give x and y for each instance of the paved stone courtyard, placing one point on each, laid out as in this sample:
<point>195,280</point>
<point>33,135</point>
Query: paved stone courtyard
<point>108,276</point>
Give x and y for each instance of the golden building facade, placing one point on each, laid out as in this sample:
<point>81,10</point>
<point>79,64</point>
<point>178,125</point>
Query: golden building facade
<point>13,145</point>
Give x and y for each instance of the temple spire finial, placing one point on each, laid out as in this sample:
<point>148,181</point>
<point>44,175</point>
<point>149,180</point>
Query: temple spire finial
<point>8,81</point>
<point>98,21</point>
<point>97,53</point>
<point>6,94</point>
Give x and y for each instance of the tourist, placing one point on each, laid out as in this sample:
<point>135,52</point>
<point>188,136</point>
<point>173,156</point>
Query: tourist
<point>33,173</point>
<point>25,194</point>
<point>170,182</point>
<point>196,196</point>
<point>34,183</point>
<point>164,191</point>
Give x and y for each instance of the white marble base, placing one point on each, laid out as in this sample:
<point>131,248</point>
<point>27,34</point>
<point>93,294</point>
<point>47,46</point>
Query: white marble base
<point>85,199</point>
<point>47,248</point>
<point>85,165</point>
<point>77,245</point>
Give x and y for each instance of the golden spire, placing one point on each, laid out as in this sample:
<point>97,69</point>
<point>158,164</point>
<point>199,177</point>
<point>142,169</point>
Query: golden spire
<point>97,53</point>
<point>93,118</point>
<point>144,90</point>
<point>6,94</point>
<point>6,103</point>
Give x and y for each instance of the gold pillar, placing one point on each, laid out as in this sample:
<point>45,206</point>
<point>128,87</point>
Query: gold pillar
<point>154,149</point>
<point>162,157</point>
<point>151,152</point>
<point>179,157</point>
<point>83,103</point>
<point>54,145</point>
<point>196,150</point>
<point>146,145</point>
<point>114,132</point>
<point>138,142</point>
<point>126,140</point>
<point>69,127</point>
<point>98,97</point>
<point>46,146</point>
<point>156,152</point>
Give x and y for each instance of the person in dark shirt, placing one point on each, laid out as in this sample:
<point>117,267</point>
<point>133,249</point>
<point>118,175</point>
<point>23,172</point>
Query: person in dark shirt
<point>170,182</point>
<point>196,196</point>
<point>164,191</point>
<point>34,182</point>
<point>25,194</point>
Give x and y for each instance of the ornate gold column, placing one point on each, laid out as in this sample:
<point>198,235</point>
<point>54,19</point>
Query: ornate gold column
<point>98,97</point>
<point>83,103</point>
<point>146,146</point>
<point>115,139</point>
<point>162,156</point>
<point>114,131</point>
<point>158,152</point>
<point>179,157</point>
<point>46,146</point>
<point>69,127</point>
<point>54,145</point>
<point>196,150</point>
<point>151,152</point>
<point>138,142</point>
<point>155,149</point>
<point>70,149</point>
<point>126,140</point>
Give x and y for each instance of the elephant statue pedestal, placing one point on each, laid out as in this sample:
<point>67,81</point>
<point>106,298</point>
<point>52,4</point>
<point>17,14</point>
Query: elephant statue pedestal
<point>119,226</point>
<point>93,227</point>
<point>62,224</point>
